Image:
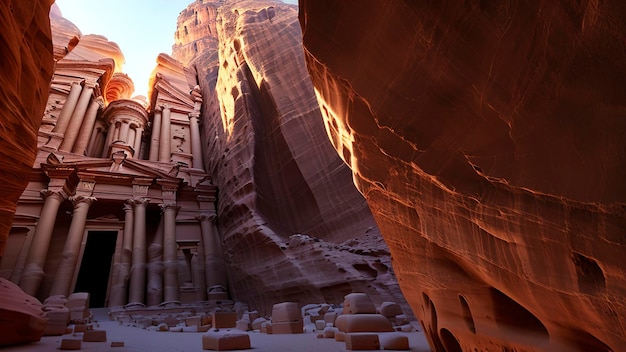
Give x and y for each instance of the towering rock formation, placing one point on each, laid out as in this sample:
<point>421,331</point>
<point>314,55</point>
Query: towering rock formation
<point>292,224</point>
<point>26,66</point>
<point>488,140</point>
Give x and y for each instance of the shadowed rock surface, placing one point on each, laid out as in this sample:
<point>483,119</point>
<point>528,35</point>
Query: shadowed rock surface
<point>488,140</point>
<point>293,225</point>
<point>26,66</point>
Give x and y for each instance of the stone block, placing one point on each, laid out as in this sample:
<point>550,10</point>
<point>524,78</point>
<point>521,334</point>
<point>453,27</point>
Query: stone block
<point>406,328</point>
<point>171,321</point>
<point>243,325</point>
<point>193,321</point>
<point>117,343</point>
<point>58,318</point>
<point>363,323</point>
<point>253,315</point>
<point>329,317</point>
<point>225,341</point>
<point>204,328</point>
<point>55,301</point>
<point>340,336</point>
<point>70,344</point>
<point>358,303</point>
<point>205,319</point>
<point>95,336</point>
<point>293,327</point>
<point>401,319</point>
<point>390,309</point>
<point>224,319</point>
<point>320,324</point>
<point>80,328</point>
<point>362,341</point>
<point>266,327</point>
<point>394,341</point>
<point>78,300</point>
<point>286,312</point>
<point>256,323</point>
<point>329,332</point>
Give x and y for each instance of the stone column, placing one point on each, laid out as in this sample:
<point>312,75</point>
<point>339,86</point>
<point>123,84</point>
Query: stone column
<point>77,118</point>
<point>68,108</point>
<point>213,261</point>
<point>154,286</point>
<point>65,272</point>
<point>156,134</point>
<point>137,284</point>
<point>117,297</point>
<point>124,131</point>
<point>94,140</point>
<point>131,136</point>
<point>87,129</point>
<point>137,143</point>
<point>196,144</point>
<point>198,274</point>
<point>170,253</point>
<point>36,258</point>
<point>165,149</point>
<point>110,136</point>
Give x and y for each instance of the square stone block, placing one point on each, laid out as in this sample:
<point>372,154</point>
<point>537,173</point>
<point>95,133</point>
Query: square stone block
<point>70,344</point>
<point>117,343</point>
<point>224,319</point>
<point>320,324</point>
<point>95,336</point>
<point>80,328</point>
<point>358,303</point>
<point>193,321</point>
<point>295,327</point>
<point>340,336</point>
<point>363,323</point>
<point>225,341</point>
<point>362,341</point>
<point>286,312</point>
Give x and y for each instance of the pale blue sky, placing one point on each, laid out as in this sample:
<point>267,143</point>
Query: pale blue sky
<point>142,29</point>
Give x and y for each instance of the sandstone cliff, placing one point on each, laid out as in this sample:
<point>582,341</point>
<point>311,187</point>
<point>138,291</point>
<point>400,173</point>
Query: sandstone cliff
<point>488,140</point>
<point>293,225</point>
<point>26,66</point>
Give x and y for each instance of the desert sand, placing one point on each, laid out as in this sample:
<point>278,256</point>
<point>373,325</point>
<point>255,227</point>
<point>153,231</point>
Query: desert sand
<point>140,340</point>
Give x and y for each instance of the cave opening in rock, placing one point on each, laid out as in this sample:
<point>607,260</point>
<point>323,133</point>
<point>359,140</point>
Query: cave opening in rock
<point>467,315</point>
<point>511,315</point>
<point>93,276</point>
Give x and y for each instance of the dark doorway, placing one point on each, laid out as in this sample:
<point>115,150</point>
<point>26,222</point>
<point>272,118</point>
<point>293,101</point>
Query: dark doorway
<point>93,276</point>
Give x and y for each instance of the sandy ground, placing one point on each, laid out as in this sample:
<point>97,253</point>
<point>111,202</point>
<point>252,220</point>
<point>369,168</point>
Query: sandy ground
<point>140,340</point>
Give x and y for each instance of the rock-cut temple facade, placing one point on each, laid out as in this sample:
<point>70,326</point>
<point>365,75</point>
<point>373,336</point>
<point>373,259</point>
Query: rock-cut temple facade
<point>118,203</point>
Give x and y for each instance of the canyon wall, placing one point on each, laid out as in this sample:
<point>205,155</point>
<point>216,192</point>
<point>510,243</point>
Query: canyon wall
<point>488,140</point>
<point>292,223</point>
<point>26,64</point>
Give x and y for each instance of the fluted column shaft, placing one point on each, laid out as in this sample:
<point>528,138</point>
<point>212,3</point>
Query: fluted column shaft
<point>36,258</point>
<point>76,120</point>
<point>213,260</point>
<point>165,149</point>
<point>124,131</point>
<point>138,270</point>
<point>156,134</point>
<point>87,129</point>
<point>170,257</point>
<point>137,142</point>
<point>65,272</point>
<point>68,108</point>
<point>110,136</point>
<point>119,289</point>
<point>196,145</point>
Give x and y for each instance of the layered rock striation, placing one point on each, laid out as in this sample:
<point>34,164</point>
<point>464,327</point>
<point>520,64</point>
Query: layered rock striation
<point>293,226</point>
<point>26,66</point>
<point>488,142</point>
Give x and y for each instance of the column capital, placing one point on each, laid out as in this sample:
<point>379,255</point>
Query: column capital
<point>141,201</point>
<point>206,217</point>
<point>194,114</point>
<point>169,206</point>
<point>57,193</point>
<point>77,199</point>
<point>75,83</point>
<point>128,205</point>
<point>99,101</point>
<point>164,107</point>
<point>91,85</point>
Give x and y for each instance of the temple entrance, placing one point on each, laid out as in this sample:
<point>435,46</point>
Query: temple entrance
<point>93,276</point>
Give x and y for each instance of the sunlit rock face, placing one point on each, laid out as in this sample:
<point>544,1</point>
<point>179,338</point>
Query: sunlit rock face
<point>488,140</point>
<point>293,225</point>
<point>26,66</point>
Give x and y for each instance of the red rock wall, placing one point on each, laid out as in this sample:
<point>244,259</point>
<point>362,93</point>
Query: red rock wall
<point>26,63</point>
<point>488,140</point>
<point>26,66</point>
<point>293,225</point>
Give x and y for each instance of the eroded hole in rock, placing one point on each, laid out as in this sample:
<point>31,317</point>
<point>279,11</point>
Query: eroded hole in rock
<point>590,276</point>
<point>511,315</point>
<point>366,269</point>
<point>380,267</point>
<point>449,341</point>
<point>467,314</point>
